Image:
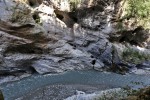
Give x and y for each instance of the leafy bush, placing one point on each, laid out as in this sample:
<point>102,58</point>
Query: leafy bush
<point>135,57</point>
<point>140,10</point>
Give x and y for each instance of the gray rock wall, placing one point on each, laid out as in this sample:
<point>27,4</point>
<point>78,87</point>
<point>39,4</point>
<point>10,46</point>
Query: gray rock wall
<point>34,38</point>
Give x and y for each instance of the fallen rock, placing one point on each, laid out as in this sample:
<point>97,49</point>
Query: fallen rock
<point>144,65</point>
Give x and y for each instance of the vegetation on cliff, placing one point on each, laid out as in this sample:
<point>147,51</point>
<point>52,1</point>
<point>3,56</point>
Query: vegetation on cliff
<point>136,12</point>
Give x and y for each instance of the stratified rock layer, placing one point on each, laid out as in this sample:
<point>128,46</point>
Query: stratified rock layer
<point>39,36</point>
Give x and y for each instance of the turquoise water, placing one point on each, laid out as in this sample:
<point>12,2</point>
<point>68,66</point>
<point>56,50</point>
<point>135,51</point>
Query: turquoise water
<point>24,86</point>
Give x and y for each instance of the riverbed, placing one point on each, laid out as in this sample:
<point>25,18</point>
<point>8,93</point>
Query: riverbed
<point>60,86</point>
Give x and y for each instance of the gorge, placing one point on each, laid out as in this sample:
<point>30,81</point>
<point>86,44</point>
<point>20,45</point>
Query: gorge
<point>71,43</point>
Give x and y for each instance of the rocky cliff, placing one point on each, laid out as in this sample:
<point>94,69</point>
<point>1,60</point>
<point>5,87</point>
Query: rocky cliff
<point>50,36</point>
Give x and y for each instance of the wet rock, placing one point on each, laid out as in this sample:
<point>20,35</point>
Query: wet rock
<point>46,66</point>
<point>12,71</point>
<point>119,68</point>
<point>98,66</point>
<point>15,77</point>
<point>144,65</point>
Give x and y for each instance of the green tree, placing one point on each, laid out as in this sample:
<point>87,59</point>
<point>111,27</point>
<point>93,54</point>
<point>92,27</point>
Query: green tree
<point>140,10</point>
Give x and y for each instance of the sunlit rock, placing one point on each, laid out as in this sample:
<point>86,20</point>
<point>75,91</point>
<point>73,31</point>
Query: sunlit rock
<point>52,37</point>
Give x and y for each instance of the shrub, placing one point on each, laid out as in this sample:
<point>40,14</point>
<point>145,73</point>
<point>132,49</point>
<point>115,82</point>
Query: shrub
<point>135,57</point>
<point>139,10</point>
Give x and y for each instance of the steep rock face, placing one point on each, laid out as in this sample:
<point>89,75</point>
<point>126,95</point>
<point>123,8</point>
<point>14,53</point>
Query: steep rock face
<point>39,37</point>
<point>29,46</point>
<point>138,36</point>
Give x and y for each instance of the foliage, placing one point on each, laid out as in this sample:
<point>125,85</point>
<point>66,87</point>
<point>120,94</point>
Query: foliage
<point>20,14</point>
<point>74,4</point>
<point>140,10</point>
<point>140,94</point>
<point>135,57</point>
<point>113,95</point>
<point>120,26</point>
<point>127,93</point>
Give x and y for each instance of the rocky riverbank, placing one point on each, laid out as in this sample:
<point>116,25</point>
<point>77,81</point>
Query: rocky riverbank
<point>61,86</point>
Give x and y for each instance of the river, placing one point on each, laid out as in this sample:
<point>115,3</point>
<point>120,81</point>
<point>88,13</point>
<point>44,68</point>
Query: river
<point>30,87</point>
